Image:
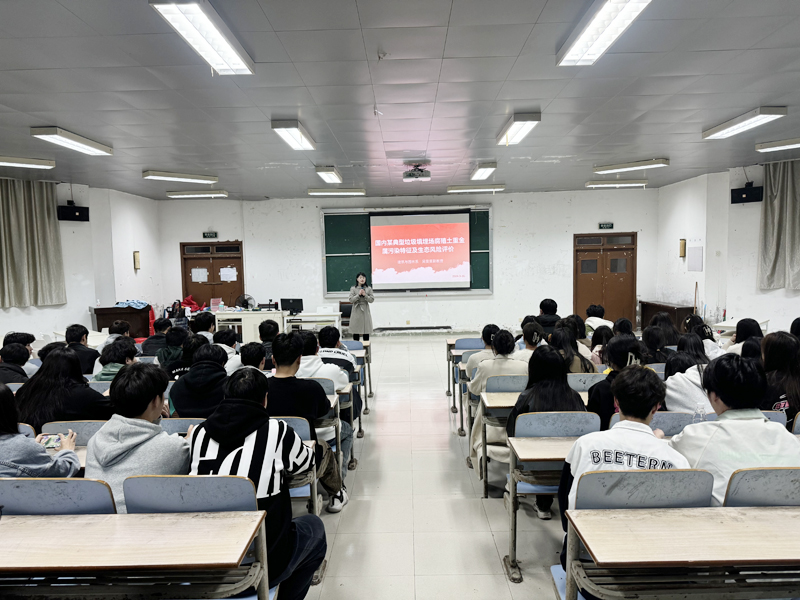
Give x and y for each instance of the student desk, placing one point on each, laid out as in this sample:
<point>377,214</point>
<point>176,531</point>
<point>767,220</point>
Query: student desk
<point>454,359</point>
<point>248,321</point>
<point>368,349</point>
<point>496,408</point>
<point>451,345</point>
<point>79,450</point>
<point>362,358</point>
<point>708,553</point>
<point>133,556</point>
<point>308,320</point>
<point>728,328</point>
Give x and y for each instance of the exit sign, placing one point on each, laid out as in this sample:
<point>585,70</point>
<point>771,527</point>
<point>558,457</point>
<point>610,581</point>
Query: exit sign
<point>606,226</point>
<point>209,235</point>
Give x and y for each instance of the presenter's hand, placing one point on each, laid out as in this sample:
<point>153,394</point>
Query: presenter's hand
<point>362,293</point>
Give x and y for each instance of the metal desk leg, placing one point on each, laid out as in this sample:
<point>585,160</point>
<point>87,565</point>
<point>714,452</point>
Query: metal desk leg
<point>261,557</point>
<point>363,385</point>
<point>353,405</point>
<point>369,374</point>
<point>449,371</point>
<point>338,427</point>
<point>510,562</point>
<point>484,461</point>
<point>461,431</point>
<point>573,547</point>
<point>453,368</point>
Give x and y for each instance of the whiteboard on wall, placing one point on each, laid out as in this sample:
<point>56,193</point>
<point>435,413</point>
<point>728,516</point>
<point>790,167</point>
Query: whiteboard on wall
<point>694,255</point>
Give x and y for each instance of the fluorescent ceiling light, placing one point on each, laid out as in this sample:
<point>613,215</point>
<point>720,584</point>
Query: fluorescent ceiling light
<point>199,194</point>
<point>163,176</point>
<point>65,138</point>
<point>337,192</point>
<point>619,183</point>
<point>773,146</point>
<point>329,174</point>
<point>475,189</point>
<point>654,163</point>
<point>600,27</point>
<point>754,118</point>
<point>517,128</point>
<point>26,163</point>
<point>294,134</point>
<point>201,27</point>
<point>483,171</point>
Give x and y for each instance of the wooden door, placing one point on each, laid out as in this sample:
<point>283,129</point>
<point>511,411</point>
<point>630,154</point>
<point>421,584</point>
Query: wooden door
<point>605,273</point>
<point>193,269</point>
<point>589,276</point>
<point>619,285</point>
<point>229,291</point>
<point>207,282</point>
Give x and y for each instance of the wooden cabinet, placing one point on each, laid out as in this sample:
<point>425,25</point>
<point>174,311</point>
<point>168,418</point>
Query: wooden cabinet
<point>139,319</point>
<point>678,312</point>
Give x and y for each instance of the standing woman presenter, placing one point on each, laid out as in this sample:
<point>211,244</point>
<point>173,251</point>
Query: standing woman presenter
<point>361,319</point>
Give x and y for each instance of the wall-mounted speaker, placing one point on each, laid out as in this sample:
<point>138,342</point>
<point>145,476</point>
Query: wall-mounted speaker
<point>747,194</point>
<point>73,213</point>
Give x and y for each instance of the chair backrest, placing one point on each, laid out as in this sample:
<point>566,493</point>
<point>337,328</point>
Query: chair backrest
<point>146,359</point>
<point>556,424</point>
<point>84,429</point>
<point>26,430</point>
<point>581,382</point>
<point>775,416</point>
<point>673,348</point>
<point>100,386</point>
<point>772,486</point>
<point>521,343</point>
<point>658,367</point>
<point>353,345</point>
<point>796,427</point>
<point>179,425</point>
<point>506,383</point>
<point>300,426</point>
<point>346,308</point>
<point>671,423</point>
<point>685,488</point>
<point>470,344</point>
<point>465,357</point>
<point>54,496</point>
<point>14,387</point>
<point>327,384</point>
<point>169,388</point>
<point>602,368</point>
<point>188,493</point>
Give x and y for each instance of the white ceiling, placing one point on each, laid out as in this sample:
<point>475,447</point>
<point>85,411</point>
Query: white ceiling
<point>452,73</point>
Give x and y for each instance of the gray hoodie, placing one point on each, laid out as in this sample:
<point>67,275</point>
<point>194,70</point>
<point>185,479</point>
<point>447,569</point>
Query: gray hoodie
<point>126,447</point>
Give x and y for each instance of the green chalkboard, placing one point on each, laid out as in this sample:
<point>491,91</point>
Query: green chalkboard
<point>479,261</point>
<point>341,271</point>
<point>479,230</point>
<point>346,234</point>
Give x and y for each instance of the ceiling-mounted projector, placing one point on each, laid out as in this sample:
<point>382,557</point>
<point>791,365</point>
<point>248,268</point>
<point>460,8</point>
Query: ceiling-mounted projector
<point>417,174</point>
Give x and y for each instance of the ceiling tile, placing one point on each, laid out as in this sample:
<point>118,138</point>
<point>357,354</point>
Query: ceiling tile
<point>280,96</point>
<point>405,93</point>
<point>785,37</point>
<point>217,98</point>
<point>486,40</point>
<point>342,94</point>
<point>412,13</point>
<point>462,109</point>
<point>480,12</point>
<point>587,88</point>
<point>679,62</point>
<point>242,15</point>
<point>269,75</point>
<point>686,9</point>
<point>405,124</point>
<point>349,72</point>
<point>264,46</point>
<point>117,17</point>
<point>41,18</point>
<point>476,69</point>
<point>417,110</point>
<point>541,66</point>
<point>731,34</point>
<point>405,71</point>
<point>405,42</point>
<point>564,11</point>
<point>312,14</point>
<point>658,36</point>
<point>539,88</point>
<point>330,45</point>
<point>659,86</point>
<point>155,50</point>
<point>465,92</point>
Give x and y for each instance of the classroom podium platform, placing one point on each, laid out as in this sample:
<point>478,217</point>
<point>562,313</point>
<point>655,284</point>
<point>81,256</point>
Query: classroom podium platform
<point>139,319</point>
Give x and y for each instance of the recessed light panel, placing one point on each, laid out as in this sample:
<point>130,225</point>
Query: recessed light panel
<point>73,141</point>
<point>329,174</point>
<point>618,183</point>
<point>475,189</point>
<point>517,127</point>
<point>778,146</point>
<point>337,192</point>
<point>164,176</point>
<point>745,122</point>
<point>199,194</point>
<point>654,163</point>
<point>294,134</point>
<point>483,171</point>
<point>26,163</point>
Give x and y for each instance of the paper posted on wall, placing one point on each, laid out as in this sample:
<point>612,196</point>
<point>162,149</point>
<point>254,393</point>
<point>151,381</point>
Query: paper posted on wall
<point>228,274</point>
<point>199,275</point>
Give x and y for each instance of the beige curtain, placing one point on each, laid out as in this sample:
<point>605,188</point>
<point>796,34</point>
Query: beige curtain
<point>31,266</point>
<point>779,251</point>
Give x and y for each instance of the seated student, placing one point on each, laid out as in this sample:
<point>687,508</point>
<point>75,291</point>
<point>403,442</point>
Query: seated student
<point>227,340</point>
<point>311,365</point>
<point>487,353</point>
<point>77,336</point>
<point>752,349</point>
<point>564,341</point>
<point>158,340</point>
<point>240,439</point>
<point>745,329</point>
<point>691,344</point>
<point>595,318</point>
<point>47,349</point>
<point>622,326</point>
<point>26,339</point>
<point>198,393</point>
<point>253,356</point>
<point>173,352</point>
<point>600,338</point>
<point>547,391</point>
<point>12,362</point>
<point>115,356</point>
<point>795,328</point>
<point>267,330</point>
<point>533,334</point>
<point>575,325</point>
<point>293,397</point>
<point>621,351</point>
<point>190,346</point>
<point>691,321</point>
<point>683,377</point>
<point>204,324</point>
<point>663,321</point>
<point>116,330</point>
<point>629,445</point>
<point>582,336</point>
<point>59,392</point>
<point>741,437</point>
<point>547,315</point>
<point>333,351</point>
<point>710,347</point>
<point>21,456</point>
<point>132,442</point>
<point>781,352</point>
<point>654,346</point>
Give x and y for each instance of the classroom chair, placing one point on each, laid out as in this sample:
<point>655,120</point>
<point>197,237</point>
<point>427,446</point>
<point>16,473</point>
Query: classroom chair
<point>658,367</point>
<point>581,382</point>
<point>179,425</point>
<point>26,430</point>
<point>796,426</point>
<point>770,486</point>
<point>776,416</point>
<point>473,400</point>
<point>353,344</point>
<point>671,423</point>
<point>360,376</point>
<point>673,348</point>
<point>506,383</point>
<point>462,388</point>
<point>100,386</point>
<point>469,344</point>
<point>56,496</point>
<point>84,429</point>
<point>14,387</point>
<point>146,359</point>
<point>602,368</point>
<point>304,485</point>
<point>333,418</point>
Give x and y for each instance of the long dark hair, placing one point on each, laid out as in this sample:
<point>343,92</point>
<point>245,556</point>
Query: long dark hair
<point>781,352</point>
<point>692,345</point>
<point>366,281</point>
<point>8,411</point>
<point>653,339</point>
<point>691,321</point>
<point>40,399</point>
<point>601,336</point>
<point>747,328</point>
<point>563,339</point>
<point>678,362</point>
<point>547,388</point>
<point>663,321</point>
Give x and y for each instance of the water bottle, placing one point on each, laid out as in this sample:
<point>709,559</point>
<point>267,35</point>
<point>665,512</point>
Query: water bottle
<point>699,414</point>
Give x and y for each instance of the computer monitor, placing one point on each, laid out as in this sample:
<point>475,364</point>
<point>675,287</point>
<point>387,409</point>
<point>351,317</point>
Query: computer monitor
<point>293,305</point>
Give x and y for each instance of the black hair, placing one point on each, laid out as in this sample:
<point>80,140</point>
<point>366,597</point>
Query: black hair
<point>781,352</point>
<point>601,336</point>
<point>623,326</point>
<point>204,322</point>
<point>15,354</point>
<point>548,306</point>
<point>581,326</point>
<point>119,351</point>
<point>18,337</point>
<point>546,363</point>
<point>691,344</point>
<point>9,417</point>
<point>690,322</point>
<point>638,390</point>
<point>247,384</point>
<point>653,340</point>
<point>663,321</point>
<point>678,362</point>
<point>747,328</point>
<point>488,333</point>
<point>532,333</point>
<point>192,344</point>
<point>359,274</point>
<point>704,332</point>
<point>563,339</point>
<point>252,354</point>
<point>161,325</point>
<point>75,333</point>
<point>795,328</point>
<point>596,310</point>
<point>738,382</point>
<point>621,351</point>
<point>210,352</point>
<point>503,342</point>
<point>226,337</point>
<point>752,348</point>
<point>177,336</point>
<point>575,325</point>
<point>527,319</point>
<point>120,327</point>
<point>267,330</point>
<point>48,348</point>
<point>329,337</point>
<point>136,386</point>
<point>40,399</point>
<point>309,343</point>
<point>287,348</point>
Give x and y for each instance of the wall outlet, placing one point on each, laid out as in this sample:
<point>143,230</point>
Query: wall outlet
<point>408,322</point>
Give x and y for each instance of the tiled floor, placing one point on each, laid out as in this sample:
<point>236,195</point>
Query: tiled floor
<point>416,525</point>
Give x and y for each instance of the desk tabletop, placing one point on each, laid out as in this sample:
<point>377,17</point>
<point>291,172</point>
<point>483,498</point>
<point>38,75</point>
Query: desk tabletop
<point>79,450</point>
<point>365,343</point>
<point>451,341</point>
<point>499,399</point>
<point>530,449</point>
<point>679,537</point>
<point>359,353</point>
<point>346,389</point>
<point>130,542</point>
<point>334,400</point>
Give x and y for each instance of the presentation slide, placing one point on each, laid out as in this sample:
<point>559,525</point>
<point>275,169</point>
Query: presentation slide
<point>420,251</point>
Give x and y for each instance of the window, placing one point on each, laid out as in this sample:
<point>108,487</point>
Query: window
<point>619,239</point>
<point>619,265</point>
<point>227,249</point>
<point>197,249</point>
<point>588,266</point>
<point>590,241</point>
